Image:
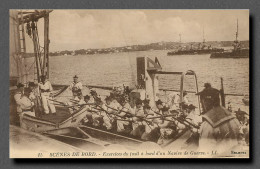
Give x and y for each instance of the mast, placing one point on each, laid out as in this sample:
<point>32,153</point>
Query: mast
<point>236,43</point>
<point>203,38</point>
<point>180,42</point>
<point>237,32</point>
<point>46,46</point>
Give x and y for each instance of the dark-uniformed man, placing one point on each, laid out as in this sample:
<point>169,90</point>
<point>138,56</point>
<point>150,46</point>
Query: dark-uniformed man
<point>219,130</point>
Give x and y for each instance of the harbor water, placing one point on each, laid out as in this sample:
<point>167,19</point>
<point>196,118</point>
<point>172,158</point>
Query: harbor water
<point>120,68</point>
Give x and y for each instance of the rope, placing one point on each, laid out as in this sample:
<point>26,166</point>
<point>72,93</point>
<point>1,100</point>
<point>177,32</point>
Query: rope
<point>31,66</point>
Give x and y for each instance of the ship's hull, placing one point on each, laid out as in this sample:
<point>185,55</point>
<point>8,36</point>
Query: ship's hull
<point>89,137</point>
<point>126,139</point>
<point>195,52</point>
<point>243,53</point>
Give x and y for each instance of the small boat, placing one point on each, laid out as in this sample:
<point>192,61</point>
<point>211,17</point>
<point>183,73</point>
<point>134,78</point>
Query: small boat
<point>87,132</point>
<point>32,143</point>
<point>89,138</point>
<point>62,119</point>
<point>93,138</point>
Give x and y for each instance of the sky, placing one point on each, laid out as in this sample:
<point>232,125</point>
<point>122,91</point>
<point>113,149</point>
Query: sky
<point>84,29</point>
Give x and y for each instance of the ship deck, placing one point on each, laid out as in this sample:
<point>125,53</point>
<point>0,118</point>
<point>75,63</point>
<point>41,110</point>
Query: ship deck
<point>61,114</point>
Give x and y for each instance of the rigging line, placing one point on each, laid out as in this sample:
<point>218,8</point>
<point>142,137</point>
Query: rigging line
<point>40,51</point>
<point>38,45</point>
<point>31,66</point>
<point>37,36</point>
<point>132,73</point>
<point>35,51</point>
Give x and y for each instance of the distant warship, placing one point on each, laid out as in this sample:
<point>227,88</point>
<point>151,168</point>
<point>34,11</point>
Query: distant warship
<point>202,49</point>
<point>237,51</point>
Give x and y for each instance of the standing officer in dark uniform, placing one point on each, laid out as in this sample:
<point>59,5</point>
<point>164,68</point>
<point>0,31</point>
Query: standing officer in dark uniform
<point>220,129</point>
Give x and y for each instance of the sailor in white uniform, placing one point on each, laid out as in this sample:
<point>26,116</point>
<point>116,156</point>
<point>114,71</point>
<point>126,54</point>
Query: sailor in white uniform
<point>45,88</point>
<point>138,127</point>
<point>24,104</point>
<point>173,100</point>
<point>109,108</point>
<point>122,113</point>
<point>76,88</point>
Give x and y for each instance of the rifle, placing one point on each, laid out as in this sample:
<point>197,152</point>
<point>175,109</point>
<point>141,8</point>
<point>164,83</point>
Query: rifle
<point>61,103</point>
<point>142,118</point>
<point>101,108</point>
<point>180,121</point>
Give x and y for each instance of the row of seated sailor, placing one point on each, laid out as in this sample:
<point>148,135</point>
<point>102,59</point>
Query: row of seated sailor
<point>26,99</point>
<point>143,122</point>
<point>36,99</point>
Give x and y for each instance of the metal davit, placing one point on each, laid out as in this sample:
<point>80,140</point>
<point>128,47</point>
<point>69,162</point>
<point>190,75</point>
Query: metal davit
<point>147,78</point>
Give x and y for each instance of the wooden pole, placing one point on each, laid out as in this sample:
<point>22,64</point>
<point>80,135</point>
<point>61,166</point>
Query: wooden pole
<point>181,88</point>
<point>222,93</point>
<point>46,45</point>
<point>36,53</point>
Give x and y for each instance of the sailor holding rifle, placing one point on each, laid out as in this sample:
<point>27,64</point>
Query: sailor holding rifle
<point>138,128</point>
<point>89,115</point>
<point>121,124</point>
<point>167,127</point>
<point>159,105</point>
<point>103,117</point>
<point>151,132</point>
<point>109,108</point>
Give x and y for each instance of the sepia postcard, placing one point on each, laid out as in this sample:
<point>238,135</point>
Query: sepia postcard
<point>129,83</point>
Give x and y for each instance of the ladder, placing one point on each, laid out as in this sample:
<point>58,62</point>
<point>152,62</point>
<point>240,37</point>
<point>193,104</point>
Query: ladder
<point>22,45</point>
<point>21,29</point>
